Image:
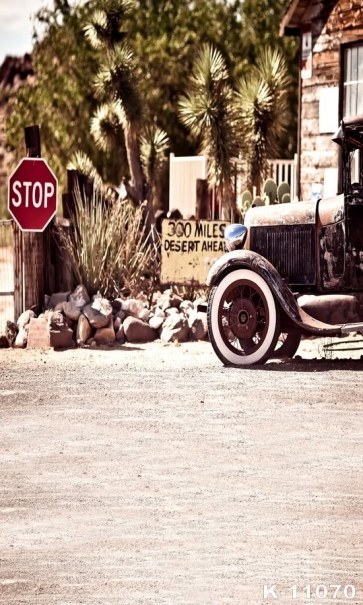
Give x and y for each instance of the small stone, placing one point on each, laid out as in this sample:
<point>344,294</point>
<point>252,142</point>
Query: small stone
<point>25,318</point>
<point>186,306</point>
<point>120,334</point>
<point>171,311</point>
<point>80,296</point>
<point>156,322</point>
<point>138,331</point>
<point>11,331</point>
<point>117,304</point>
<point>198,326</point>
<point>96,296</point>
<point>21,338</point>
<point>117,323</point>
<point>144,315</point>
<point>121,314</point>
<point>4,343</point>
<point>133,307</point>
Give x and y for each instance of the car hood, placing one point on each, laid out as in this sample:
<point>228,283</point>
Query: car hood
<point>294,213</point>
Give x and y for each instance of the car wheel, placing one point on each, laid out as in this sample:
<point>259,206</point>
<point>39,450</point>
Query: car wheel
<point>243,318</point>
<point>286,346</point>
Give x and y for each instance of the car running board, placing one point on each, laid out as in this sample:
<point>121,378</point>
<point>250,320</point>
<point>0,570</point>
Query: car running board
<point>352,328</point>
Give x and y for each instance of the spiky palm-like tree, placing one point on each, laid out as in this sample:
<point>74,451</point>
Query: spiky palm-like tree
<point>262,99</point>
<point>116,86</point>
<point>208,111</point>
<point>154,143</point>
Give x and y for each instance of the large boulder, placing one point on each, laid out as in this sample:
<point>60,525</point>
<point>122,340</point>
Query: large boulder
<point>175,327</point>
<point>133,307</point>
<point>156,322</point>
<point>198,326</point>
<point>98,313</point>
<point>84,330</point>
<point>25,318</point>
<point>56,298</point>
<point>105,335</point>
<point>60,333</point>
<point>71,310</point>
<point>11,331</point>
<point>169,299</point>
<point>138,331</point>
<point>79,296</point>
<point>4,343</point>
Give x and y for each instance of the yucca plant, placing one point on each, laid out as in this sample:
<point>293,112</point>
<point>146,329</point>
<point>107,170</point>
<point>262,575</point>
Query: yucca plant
<point>154,143</point>
<point>116,87</point>
<point>209,113</point>
<point>108,247</point>
<point>262,98</point>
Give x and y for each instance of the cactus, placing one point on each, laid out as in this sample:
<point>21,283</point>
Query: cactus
<point>246,200</point>
<point>283,188</point>
<point>258,201</point>
<point>270,189</point>
<point>286,198</point>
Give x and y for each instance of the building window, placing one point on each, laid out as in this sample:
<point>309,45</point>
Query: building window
<point>353,81</point>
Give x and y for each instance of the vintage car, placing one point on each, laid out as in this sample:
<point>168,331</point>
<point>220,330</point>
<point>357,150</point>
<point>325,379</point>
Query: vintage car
<point>292,269</point>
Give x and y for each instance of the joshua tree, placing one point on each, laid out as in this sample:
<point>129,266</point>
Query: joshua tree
<point>121,111</point>
<point>262,98</point>
<point>208,111</point>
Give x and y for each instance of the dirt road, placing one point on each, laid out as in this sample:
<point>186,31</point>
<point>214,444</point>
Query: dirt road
<point>153,475</point>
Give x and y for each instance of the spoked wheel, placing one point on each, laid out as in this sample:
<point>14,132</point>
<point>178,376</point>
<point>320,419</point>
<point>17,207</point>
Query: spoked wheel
<point>286,346</point>
<point>243,318</point>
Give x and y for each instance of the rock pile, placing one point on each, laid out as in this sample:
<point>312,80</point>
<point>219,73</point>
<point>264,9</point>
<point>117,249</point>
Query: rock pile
<point>73,318</point>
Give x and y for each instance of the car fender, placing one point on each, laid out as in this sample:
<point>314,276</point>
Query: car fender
<point>257,263</point>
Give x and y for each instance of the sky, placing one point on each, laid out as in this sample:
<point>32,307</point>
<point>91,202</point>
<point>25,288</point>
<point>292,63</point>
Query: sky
<point>16,25</point>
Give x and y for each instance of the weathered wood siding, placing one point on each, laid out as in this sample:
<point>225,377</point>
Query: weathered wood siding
<point>333,24</point>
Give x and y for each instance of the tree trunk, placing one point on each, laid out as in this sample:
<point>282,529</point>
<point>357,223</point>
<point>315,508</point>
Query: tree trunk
<point>133,158</point>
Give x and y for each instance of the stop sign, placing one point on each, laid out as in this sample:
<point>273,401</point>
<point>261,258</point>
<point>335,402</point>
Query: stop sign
<point>32,194</point>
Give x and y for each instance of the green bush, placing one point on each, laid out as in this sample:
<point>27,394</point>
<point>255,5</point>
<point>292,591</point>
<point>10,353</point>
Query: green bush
<point>109,249</point>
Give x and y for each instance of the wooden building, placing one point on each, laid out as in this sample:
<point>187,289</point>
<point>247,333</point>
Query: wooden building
<point>331,85</point>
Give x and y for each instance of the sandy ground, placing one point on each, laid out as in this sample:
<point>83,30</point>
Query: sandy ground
<point>151,474</point>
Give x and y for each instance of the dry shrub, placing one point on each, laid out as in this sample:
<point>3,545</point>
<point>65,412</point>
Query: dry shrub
<point>109,248</point>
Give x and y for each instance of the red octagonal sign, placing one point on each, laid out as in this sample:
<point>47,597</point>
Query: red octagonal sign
<point>32,194</point>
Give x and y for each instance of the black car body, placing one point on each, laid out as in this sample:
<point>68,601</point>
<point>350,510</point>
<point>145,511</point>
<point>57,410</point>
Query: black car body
<point>293,269</point>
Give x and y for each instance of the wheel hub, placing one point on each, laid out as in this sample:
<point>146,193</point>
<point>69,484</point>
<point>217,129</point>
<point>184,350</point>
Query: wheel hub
<point>243,319</point>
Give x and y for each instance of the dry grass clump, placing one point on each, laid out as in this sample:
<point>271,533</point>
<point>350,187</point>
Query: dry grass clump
<point>108,247</point>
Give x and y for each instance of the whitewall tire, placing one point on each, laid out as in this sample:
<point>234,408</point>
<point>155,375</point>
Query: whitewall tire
<point>243,318</point>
